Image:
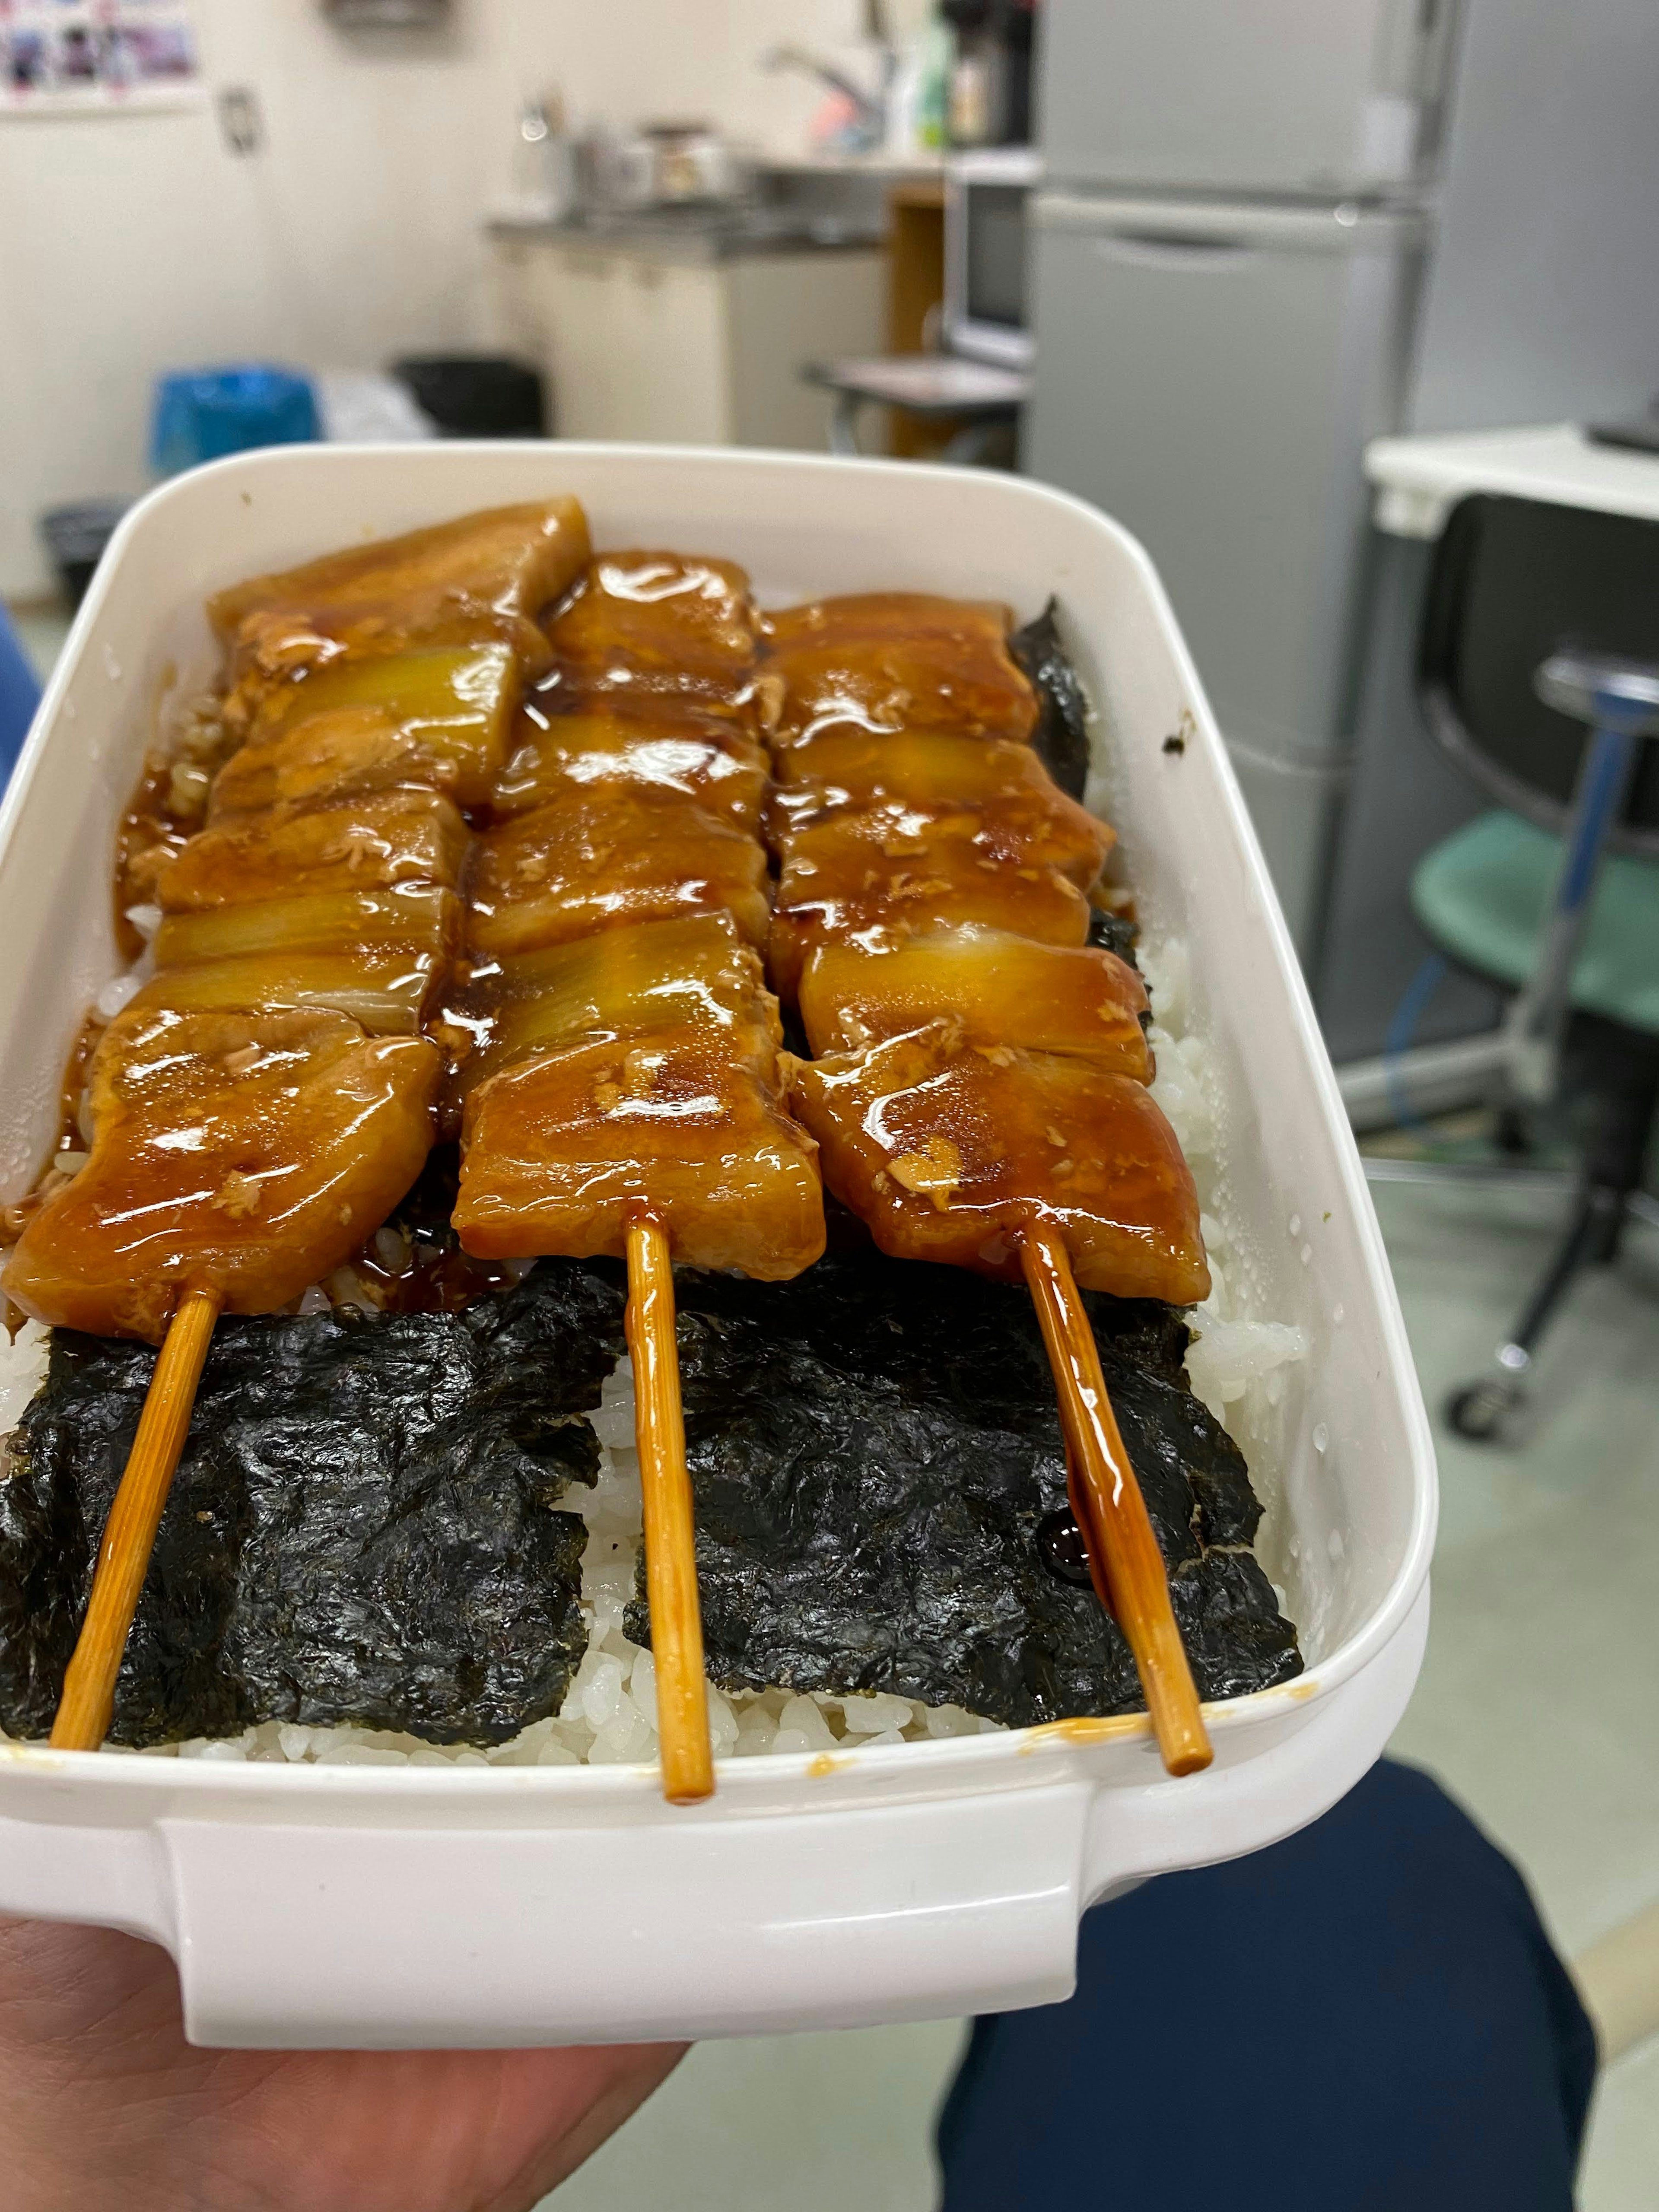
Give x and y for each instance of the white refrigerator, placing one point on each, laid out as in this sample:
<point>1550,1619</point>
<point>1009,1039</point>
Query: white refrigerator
<point>1273,230</point>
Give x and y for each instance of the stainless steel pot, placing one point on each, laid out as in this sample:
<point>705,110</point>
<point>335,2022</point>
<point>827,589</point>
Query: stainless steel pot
<point>664,164</point>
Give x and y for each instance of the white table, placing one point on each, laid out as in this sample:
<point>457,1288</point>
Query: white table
<point>1419,480</point>
<point>925,384</point>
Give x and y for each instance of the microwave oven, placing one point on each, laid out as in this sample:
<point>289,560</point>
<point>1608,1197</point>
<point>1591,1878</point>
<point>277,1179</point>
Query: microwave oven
<point>987,196</point>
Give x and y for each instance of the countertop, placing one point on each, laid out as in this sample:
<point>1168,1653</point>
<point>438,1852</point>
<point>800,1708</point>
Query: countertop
<point>697,236</point>
<point>895,165</point>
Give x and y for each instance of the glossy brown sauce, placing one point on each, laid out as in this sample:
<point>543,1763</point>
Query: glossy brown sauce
<point>165,810</point>
<point>560,745</point>
<point>480,576</point>
<point>998,987</point>
<point>618,1047</point>
<point>620,798</point>
<point>591,861</point>
<point>242,1152</point>
<point>949,1149</point>
<point>647,627</point>
<point>982,1069</point>
<point>249,1126</point>
<point>889,661</point>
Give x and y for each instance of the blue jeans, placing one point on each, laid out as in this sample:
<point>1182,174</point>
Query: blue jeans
<point>1365,2018</point>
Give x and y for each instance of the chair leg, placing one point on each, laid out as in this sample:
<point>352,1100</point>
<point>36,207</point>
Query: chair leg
<point>1480,1411</point>
<point>1539,1019</point>
<point>1619,1071</point>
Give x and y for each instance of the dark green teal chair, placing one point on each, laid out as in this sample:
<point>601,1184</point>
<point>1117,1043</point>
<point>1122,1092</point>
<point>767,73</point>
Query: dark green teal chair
<point>1539,671</point>
<point>1484,895</point>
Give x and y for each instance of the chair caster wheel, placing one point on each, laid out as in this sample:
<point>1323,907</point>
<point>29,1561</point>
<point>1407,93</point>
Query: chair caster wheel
<point>1480,1412</point>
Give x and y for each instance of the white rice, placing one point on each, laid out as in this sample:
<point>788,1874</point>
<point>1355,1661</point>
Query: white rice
<point>22,1371</point>
<point>1242,1363</point>
<point>1236,1364</point>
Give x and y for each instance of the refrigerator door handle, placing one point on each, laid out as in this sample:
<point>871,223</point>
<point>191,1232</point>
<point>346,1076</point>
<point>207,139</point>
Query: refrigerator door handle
<point>1171,249</point>
<point>1188,228</point>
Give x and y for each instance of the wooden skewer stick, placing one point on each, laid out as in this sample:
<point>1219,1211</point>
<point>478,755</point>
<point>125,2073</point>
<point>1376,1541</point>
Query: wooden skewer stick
<point>83,1710</point>
<point>1092,1548</point>
<point>1124,1559</point>
<point>671,1563</point>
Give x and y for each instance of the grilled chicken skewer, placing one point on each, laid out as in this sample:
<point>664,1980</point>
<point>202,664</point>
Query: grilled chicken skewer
<point>618,1052</point>
<point>268,1096</point>
<point>979,1090</point>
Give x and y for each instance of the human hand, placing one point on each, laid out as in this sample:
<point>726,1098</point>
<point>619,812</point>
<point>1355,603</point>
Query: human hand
<point>103,2104</point>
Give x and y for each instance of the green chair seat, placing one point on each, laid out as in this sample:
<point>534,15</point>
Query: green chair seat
<point>1484,894</point>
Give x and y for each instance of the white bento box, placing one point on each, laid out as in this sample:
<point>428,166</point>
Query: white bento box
<point>330,1906</point>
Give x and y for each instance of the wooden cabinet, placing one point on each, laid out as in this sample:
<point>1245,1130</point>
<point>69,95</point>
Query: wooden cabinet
<point>640,345</point>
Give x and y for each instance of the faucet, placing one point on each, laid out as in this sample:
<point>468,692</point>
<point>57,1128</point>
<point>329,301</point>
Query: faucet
<point>871,110</point>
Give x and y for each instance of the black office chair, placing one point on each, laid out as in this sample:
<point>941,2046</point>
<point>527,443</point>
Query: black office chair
<point>1539,671</point>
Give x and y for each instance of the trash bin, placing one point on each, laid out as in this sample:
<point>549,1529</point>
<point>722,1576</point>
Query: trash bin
<point>75,536</point>
<point>476,395</point>
<point>202,414</point>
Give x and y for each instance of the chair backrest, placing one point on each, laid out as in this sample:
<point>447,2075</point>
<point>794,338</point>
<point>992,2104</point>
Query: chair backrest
<point>1512,582</point>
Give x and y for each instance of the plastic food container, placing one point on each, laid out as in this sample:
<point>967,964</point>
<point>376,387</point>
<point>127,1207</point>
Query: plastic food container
<point>350,1906</point>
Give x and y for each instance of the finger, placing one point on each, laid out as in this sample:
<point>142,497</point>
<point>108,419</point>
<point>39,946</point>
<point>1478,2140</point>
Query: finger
<point>103,2102</point>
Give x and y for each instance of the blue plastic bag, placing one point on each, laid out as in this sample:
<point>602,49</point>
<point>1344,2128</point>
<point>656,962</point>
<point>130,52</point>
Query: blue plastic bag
<point>20,694</point>
<point>202,414</point>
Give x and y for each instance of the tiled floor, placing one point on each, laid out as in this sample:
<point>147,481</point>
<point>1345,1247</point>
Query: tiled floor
<point>815,2123</point>
<point>1537,1702</point>
<point>1535,1706</point>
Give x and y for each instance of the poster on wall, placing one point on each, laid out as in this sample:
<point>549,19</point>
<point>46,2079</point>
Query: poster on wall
<point>96,56</point>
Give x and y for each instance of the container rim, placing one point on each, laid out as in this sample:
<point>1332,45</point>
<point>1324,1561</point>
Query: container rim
<point>932,1760</point>
<point>931,1763</point>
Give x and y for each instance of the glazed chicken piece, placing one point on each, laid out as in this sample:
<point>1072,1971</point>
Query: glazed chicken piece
<point>998,989</point>
<point>947,1150</point>
<point>485,575</point>
<point>668,629</point>
<point>1037,829</point>
<point>367,843</point>
<point>561,1148</point>
<point>846,766</point>
<point>440,719</point>
<point>594,861</point>
<point>618,1050</point>
<point>851,873</point>
<point>689,755</point>
<point>246,1133</point>
<point>619,984</point>
<point>330,757</point>
<point>248,1152</point>
<point>886,662</point>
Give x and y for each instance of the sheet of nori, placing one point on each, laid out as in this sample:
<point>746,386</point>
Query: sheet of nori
<point>1062,732</point>
<point>365,1525</point>
<point>1117,933</point>
<point>1062,740</point>
<point>873,1449</point>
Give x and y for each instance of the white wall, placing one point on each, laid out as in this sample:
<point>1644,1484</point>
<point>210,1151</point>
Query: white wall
<point>133,244</point>
<point>1542,302</point>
